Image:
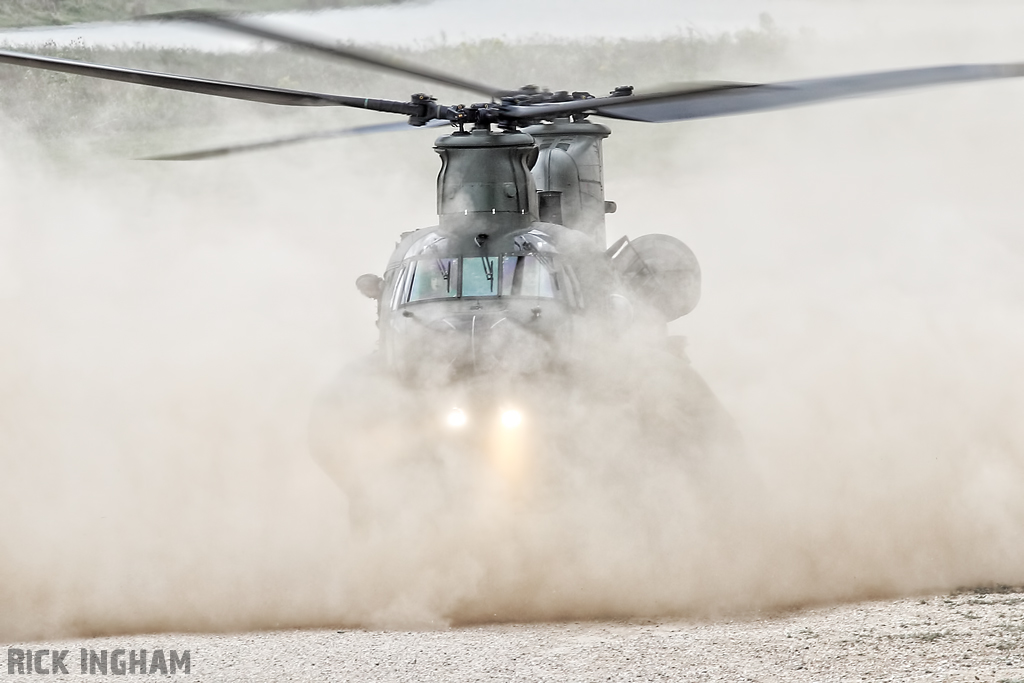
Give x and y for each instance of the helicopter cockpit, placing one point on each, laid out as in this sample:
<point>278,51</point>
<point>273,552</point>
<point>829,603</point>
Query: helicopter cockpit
<point>527,267</point>
<point>461,303</point>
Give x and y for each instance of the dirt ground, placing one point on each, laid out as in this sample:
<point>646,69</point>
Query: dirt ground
<point>967,636</point>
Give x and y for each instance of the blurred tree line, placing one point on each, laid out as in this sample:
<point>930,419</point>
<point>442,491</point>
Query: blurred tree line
<point>44,12</point>
<point>126,120</point>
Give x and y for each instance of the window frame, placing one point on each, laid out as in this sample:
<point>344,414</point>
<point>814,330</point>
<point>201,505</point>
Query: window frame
<point>562,280</point>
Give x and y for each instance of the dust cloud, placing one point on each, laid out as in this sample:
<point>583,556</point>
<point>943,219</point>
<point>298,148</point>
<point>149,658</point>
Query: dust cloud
<point>168,328</point>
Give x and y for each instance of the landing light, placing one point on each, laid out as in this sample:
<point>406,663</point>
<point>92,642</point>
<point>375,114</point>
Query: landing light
<point>456,418</point>
<point>511,418</point>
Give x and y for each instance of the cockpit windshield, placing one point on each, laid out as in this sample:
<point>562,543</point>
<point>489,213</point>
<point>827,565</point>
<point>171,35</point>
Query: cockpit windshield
<point>480,276</point>
<point>518,275</point>
<point>433,279</point>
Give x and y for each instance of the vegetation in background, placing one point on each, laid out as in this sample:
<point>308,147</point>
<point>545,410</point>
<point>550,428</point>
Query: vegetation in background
<point>45,12</point>
<point>65,109</point>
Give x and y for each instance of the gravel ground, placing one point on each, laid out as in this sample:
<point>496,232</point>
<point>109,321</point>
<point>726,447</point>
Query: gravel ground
<point>967,636</point>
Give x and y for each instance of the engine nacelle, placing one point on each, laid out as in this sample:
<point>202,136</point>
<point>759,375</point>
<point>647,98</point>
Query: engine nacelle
<point>661,271</point>
<point>570,166</point>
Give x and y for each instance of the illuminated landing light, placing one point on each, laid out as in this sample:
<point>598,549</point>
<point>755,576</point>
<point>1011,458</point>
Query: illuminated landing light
<point>511,418</point>
<point>456,418</point>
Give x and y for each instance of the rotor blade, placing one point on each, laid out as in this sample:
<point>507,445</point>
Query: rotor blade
<point>724,99</point>
<point>228,150</point>
<point>238,91</point>
<point>348,52</point>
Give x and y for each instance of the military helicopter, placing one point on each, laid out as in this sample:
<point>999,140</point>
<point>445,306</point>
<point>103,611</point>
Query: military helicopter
<point>486,317</point>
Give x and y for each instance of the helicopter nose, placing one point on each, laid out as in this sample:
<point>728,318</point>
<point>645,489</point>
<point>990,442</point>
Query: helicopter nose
<point>475,343</point>
<point>484,338</point>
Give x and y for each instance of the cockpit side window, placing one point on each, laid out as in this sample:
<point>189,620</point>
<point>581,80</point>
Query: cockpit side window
<point>434,279</point>
<point>527,276</point>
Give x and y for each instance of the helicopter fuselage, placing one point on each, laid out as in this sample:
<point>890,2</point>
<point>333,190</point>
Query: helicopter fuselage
<point>516,263</point>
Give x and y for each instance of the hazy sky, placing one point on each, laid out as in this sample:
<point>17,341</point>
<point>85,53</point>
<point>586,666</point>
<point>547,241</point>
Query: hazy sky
<point>458,20</point>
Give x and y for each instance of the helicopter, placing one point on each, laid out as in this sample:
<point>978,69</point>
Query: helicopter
<point>488,319</point>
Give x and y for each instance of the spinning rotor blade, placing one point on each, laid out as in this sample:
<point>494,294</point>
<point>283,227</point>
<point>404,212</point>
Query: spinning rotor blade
<point>740,100</point>
<point>724,99</point>
<point>238,91</point>
<point>249,28</point>
<point>293,139</point>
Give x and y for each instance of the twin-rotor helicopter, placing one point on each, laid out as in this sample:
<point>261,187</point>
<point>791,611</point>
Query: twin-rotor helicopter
<point>516,280</point>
